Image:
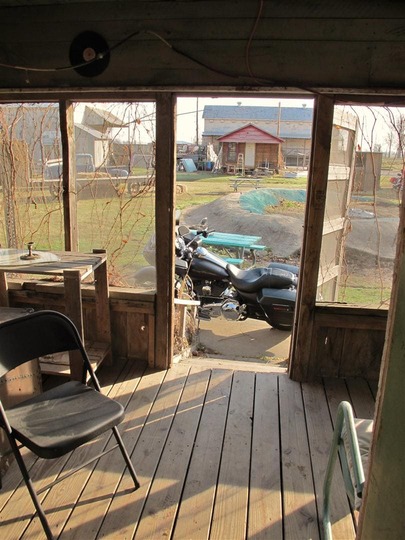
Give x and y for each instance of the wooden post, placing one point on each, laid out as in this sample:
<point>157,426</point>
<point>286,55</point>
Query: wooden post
<point>69,196</point>
<point>313,226</point>
<point>165,223</point>
<point>382,511</point>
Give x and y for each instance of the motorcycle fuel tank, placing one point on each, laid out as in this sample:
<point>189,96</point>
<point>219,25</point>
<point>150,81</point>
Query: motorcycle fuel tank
<point>207,266</point>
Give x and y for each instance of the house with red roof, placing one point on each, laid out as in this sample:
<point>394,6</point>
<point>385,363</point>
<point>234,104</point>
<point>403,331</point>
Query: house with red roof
<point>292,124</point>
<point>250,148</point>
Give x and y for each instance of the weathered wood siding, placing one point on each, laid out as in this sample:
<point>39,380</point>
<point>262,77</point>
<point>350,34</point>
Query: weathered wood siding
<point>132,315</point>
<point>347,342</point>
<point>175,44</point>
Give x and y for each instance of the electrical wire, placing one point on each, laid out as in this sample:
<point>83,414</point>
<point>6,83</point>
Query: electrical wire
<point>251,36</point>
<point>232,75</point>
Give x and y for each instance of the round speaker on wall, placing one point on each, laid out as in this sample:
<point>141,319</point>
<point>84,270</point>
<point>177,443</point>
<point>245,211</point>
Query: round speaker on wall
<point>89,54</point>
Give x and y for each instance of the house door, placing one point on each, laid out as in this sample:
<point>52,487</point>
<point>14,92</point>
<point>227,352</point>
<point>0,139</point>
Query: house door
<point>250,155</point>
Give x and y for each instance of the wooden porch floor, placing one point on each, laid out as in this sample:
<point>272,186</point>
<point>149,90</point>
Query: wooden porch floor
<point>221,454</point>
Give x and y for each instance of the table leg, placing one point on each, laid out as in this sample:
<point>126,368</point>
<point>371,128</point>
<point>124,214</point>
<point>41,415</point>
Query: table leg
<point>102,302</point>
<point>253,253</point>
<point>73,303</point>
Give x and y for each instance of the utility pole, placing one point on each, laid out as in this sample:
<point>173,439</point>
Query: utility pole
<point>196,123</point>
<point>279,119</point>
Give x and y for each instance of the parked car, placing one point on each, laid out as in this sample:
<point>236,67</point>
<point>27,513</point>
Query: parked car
<point>53,167</point>
<point>117,172</point>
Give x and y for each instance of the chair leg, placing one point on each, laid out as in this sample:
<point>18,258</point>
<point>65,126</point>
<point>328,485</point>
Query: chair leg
<point>31,489</point>
<point>126,457</point>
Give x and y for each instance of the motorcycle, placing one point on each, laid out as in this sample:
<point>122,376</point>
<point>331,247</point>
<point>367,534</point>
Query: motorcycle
<point>267,294</point>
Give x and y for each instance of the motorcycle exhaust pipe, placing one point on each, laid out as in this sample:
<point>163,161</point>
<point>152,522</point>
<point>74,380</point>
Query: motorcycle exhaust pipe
<point>208,311</point>
<point>230,309</point>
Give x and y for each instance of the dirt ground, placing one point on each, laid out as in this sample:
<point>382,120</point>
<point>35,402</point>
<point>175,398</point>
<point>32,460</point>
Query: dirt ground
<point>370,249</point>
<point>281,233</point>
<point>368,237</point>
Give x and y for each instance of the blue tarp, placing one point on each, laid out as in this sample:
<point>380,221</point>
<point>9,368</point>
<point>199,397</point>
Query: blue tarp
<point>255,201</point>
<point>188,164</point>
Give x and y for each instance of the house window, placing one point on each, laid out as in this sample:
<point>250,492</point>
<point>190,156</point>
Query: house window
<point>232,152</point>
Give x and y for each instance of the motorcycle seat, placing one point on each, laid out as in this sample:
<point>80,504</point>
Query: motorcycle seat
<point>255,279</point>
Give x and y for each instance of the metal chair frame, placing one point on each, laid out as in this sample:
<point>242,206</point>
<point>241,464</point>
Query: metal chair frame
<point>344,421</point>
<point>32,336</point>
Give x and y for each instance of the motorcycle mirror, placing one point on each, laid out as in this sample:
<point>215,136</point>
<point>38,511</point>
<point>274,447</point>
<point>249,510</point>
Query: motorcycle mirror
<point>183,230</point>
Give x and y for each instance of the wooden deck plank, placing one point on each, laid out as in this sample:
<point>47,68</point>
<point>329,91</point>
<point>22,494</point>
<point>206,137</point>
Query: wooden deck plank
<point>125,511</point>
<point>194,516</point>
<point>164,497</point>
<point>336,391</point>
<point>319,425</point>
<point>361,397</point>
<point>221,454</point>
<point>300,512</point>
<point>265,505</point>
<point>230,511</point>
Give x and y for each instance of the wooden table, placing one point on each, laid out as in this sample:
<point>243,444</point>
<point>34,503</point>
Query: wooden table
<point>237,242</point>
<point>74,268</point>
<point>246,180</point>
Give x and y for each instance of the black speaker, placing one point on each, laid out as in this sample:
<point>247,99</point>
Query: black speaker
<point>89,54</point>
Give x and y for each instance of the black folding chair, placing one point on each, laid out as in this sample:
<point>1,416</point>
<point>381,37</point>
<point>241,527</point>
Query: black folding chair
<point>59,420</point>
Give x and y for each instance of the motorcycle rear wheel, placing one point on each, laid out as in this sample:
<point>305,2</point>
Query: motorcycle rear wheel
<point>279,326</point>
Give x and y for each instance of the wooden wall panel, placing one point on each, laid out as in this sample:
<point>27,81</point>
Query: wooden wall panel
<point>137,335</point>
<point>346,352</point>
<point>132,316</point>
<point>362,353</point>
<point>328,350</point>
<point>347,342</point>
<point>119,332</point>
<point>158,44</point>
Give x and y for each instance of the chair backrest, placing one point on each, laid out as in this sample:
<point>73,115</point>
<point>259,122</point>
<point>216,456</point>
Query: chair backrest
<point>34,335</point>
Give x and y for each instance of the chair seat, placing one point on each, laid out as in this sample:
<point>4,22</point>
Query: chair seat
<point>59,420</point>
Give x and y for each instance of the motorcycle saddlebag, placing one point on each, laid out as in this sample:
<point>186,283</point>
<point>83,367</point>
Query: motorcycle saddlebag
<point>278,304</point>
